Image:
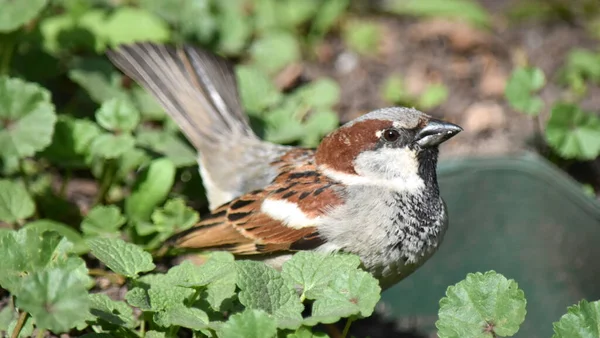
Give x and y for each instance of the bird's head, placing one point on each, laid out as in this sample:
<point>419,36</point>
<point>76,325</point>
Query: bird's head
<point>394,147</point>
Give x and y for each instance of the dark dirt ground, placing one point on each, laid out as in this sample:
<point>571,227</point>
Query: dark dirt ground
<point>473,64</point>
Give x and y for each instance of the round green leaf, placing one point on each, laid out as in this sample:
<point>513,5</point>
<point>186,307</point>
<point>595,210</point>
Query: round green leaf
<point>27,118</point>
<point>573,133</point>
<point>55,298</point>
<point>481,306</point>
<point>249,324</point>
<point>118,115</point>
<point>519,90</point>
<point>109,146</point>
<point>129,24</point>
<point>581,321</point>
<point>102,220</point>
<point>17,13</point>
<point>15,202</point>
<point>274,51</point>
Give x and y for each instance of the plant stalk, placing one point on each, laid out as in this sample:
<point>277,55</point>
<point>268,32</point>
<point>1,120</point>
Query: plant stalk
<point>347,327</point>
<point>109,172</point>
<point>19,326</point>
<point>8,42</point>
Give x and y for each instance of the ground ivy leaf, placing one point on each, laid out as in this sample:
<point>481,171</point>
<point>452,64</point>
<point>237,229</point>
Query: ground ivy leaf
<point>191,17</point>
<point>29,250</point>
<point>111,311</point>
<point>151,188</point>
<point>168,144</point>
<point>154,334</point>
<point>166,296</point>
<point>274,50</point>
<point>353,292</point>
<point>257,92</point>
<point>148,27</point>
<point>138,297</point>
<point>263,288</point>
<point>41,225</point>
<point>98,78</point>
<point>15,202</point>
<point>27,118</point>
<point>311,272</point>
<point>573,133</point>
<point>319,124</point>
<point>362,36</point>
<point>109,146</point>
<point>218,273</point>
<point>322,93</point>
<point>17,13</point>
<point>118,114</point>
<point>582,320</point>
<point>71,142</point>
<point>123,258</point>
<point>521,86</point>
<point>480,304</point>
<point>55,298</point>
<point>180,315</point>
<point>251,323</point>
<point>305,332</point>
<point>174,216</point>
<point>103,220</point>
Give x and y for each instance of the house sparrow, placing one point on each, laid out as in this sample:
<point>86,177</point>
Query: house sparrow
<point>370,188</point>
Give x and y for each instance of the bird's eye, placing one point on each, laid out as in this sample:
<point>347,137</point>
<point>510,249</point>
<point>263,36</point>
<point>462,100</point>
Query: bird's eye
<point>391,135</point>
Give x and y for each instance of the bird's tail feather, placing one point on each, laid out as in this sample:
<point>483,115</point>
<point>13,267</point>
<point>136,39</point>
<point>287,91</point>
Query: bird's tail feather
<point>196,88</point>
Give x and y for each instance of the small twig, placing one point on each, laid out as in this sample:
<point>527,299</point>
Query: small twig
<point>113,277</point>
<point>19,326</point>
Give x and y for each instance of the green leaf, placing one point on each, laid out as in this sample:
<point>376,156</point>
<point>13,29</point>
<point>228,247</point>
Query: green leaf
<point>71,142</point>
<point>583,64</point>
<point>138,297</point>
<point>27,118</point>
<point>173,217</point>
<point>191,17</point>
<point>319,124</point>
<point>123,258</point>
<point>481,304</point>
<point>180,315</point>
<point>111,311</point>
<point>151,188</point>
<point>109,146</point>
<point>304,332</point>
<point>41,225</point>
<point>433,96</point>
<point>15,202</point>
<point>128,24</point>
<point>582,320</point>
<point>275,50</point>
<point>218,274</point>
<point>522,83</point>
<point>466,10</point>
<point>155,334</point>
<point>17,13</point>
<point>26,330</point>
<point>163,296</point>
<point>103,220</point>
<point>118,115</point>
<point>234,26</point>
<point>362,36</point>
<point>251,323</point>
<point>282,124</point>
<point>327,15</point>
<point>55,298</point>
<point>353,292</point>
<point>147,104</point>
<point>312,272</point>
<point>394,90</point>
<point>263,288</point>
<point>573,133</point>
<point>321,93</point>
<point>98,78</point>
<point>257,91</point>
<point>168,144</point>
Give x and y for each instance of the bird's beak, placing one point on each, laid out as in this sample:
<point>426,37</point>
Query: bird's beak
<point>436,132</point>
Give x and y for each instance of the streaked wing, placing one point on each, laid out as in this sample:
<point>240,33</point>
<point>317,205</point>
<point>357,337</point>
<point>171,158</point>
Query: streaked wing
<point>281,217</point>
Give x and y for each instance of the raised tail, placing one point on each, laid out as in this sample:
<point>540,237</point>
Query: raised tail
<point>196,88</point>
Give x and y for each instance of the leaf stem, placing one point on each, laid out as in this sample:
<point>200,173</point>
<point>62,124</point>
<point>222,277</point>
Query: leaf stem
<point>8,44</point>
<point>142,327</point>
<point>65,183</point>
<point>347,327</point>
<point>109,171</point>
<point>40,333</point>
<point>19,326</point>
